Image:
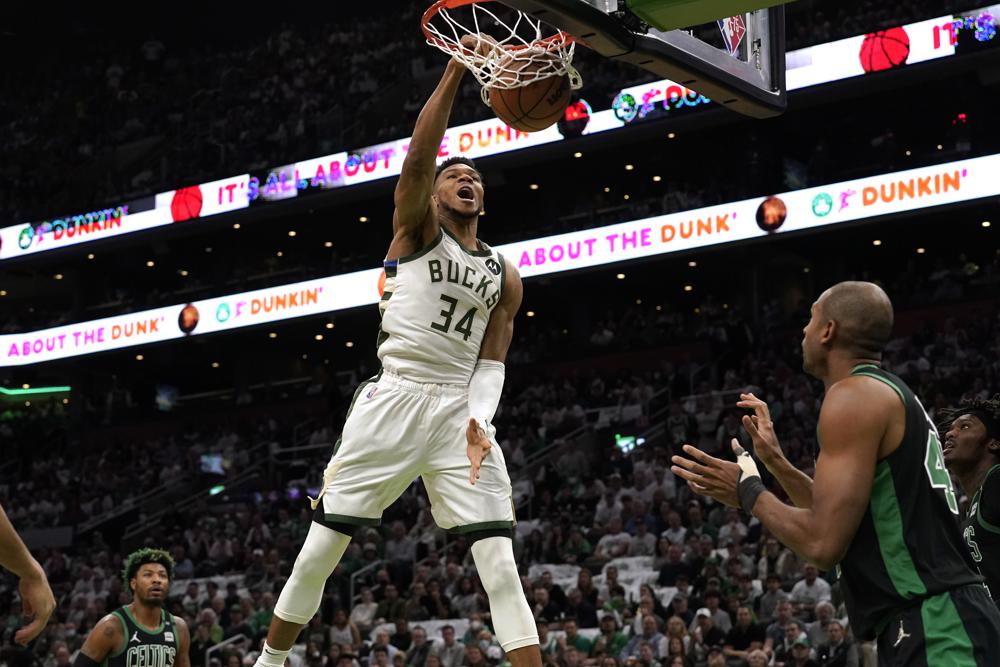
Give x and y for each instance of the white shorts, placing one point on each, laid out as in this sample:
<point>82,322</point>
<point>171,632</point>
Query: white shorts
<point>398,430</point>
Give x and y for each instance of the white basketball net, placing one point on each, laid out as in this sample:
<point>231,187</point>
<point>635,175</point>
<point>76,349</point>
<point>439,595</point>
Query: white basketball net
<point>520,58</point>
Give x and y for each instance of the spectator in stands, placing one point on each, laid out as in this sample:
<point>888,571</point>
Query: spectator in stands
<point>757,658</point>
<point>262,616</point>
<point>391,606</point>
<point>696,522</point>
<point>414,607</point>
<point>675,532</point>
<point>677,630</point>
<point>555,591</point>
<point>576,549</point>
<point>809,591</point>
<point>801,654</point>
<point>816,631</point>
<point>419,649</point>
<point>608,507</point>
<point>402,637</point>
<point>580,611</point>
<point>705,636</point>
<point>448,651</point>
<point>610,641</point>
<point>674,566</point>
<point>783,653</point>
<point>720,618</point>
<point>643,543</point>
<point>647,656</point>
<point>745,636</point>
<point>572,637</point>
<point>615,542</point>
<point>238,625</point>
<point>776,630</point>
<point>649,635</point>
<point>839,650</point>
<point>768,603</point>
<point>363,613</point>
<point>381,642</point>
<point>548,643</point>
<point>680,608</point>
<point>344,631</point>
<point>543,606</point>
<point>201,641</point>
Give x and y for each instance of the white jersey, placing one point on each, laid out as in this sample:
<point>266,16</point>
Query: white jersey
<point>435,307</point>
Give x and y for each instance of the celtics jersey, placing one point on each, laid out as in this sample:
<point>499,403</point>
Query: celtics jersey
<point>143,647</point>
<point>983,537</point>
<point>435,307</point>
<point>908,546</point>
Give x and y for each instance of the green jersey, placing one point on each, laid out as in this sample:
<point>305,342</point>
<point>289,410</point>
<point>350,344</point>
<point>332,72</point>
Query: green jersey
<point>143,647</point>
<point>908,547</point>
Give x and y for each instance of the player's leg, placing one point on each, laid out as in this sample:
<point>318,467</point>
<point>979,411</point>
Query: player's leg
<point>370,468</point>
<point>485,514</point>
<point>959,628</point>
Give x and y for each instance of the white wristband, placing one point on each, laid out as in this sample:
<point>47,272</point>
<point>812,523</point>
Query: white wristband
<point>485,388</point>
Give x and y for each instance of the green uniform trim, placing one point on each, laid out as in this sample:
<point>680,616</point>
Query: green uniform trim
<point>352,520</point>
<point>945,638</point>
<point>142,627</point>
<point>485,250</point>
<point>486,525</point>
<point>117,653</point>
<point>423,251</point>
<point>888,523</point>
<point>885,380</point>
<point>386,296</point>
<point>979,510</point>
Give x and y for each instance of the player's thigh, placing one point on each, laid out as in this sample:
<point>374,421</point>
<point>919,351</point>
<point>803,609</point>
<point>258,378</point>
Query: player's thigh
<point>378,453</point>
<point>958,627</point>
<point>456,503</point>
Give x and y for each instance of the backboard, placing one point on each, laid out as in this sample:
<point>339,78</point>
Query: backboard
<point>743,70</point>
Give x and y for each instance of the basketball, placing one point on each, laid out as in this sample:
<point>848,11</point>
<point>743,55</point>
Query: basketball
<point>186,204</point>
<point>885,49</point>
<point>535,106</point>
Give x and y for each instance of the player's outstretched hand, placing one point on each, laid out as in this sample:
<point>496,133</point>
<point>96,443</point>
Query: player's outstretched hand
<point>709,476</point>
<point>477,448</point>
<point>761,428</point>
<point>37,604</point>
<point>481,44</point>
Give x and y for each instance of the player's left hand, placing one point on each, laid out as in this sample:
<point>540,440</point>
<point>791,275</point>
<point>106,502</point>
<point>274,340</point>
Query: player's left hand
<point>709,476</point>
<point>37,604</point>
<point>477,448</point>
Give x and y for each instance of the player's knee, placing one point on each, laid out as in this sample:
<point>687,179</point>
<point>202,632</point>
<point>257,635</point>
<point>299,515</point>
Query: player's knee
<point>495,563</point>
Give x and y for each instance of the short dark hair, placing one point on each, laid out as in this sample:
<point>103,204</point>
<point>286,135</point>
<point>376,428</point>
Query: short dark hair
<point>144,556</point>
<point>864,315</point>
<point>457,160</point>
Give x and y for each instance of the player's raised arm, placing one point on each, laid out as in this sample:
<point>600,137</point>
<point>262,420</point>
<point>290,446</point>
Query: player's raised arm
<point>487,380</point>
<point>851,432</point>
<point>851,437</point>
<point>416,179</point>
<point>37,601</point>
<point>796,483</point>
<point>106,638</point>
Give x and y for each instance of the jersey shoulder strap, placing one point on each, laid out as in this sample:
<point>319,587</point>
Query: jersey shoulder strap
<point>993,480</point>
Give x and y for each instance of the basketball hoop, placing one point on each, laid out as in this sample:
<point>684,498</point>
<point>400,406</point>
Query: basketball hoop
<point>519,56</point>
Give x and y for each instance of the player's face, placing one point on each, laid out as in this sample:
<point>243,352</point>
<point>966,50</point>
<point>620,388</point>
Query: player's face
<point>459,190</point>
<point>813,354</point>
<point>151,584</point>
<point>963,442</point>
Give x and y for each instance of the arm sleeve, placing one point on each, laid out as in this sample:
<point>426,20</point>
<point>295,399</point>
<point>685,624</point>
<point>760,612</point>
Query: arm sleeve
<point>485,388</point>
<point>989,501</point>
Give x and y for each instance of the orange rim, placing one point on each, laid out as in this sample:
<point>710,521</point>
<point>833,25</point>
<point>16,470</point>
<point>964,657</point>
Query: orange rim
<point>548,43</point>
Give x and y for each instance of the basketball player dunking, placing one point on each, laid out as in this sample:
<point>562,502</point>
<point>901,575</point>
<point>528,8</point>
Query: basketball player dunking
<point>881,508</point>
<point>447,310</point>
<point>142,633</point>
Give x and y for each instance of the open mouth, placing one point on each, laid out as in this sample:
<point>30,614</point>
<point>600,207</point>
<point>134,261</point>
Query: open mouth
<point>948,446</point>
<point>465,193</point>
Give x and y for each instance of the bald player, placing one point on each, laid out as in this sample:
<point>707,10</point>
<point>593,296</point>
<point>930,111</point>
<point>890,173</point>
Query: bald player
<point>881,508</point>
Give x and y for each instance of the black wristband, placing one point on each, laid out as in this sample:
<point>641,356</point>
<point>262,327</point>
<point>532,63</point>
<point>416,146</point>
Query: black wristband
<point>748,491</point>
<point>83,660</point>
